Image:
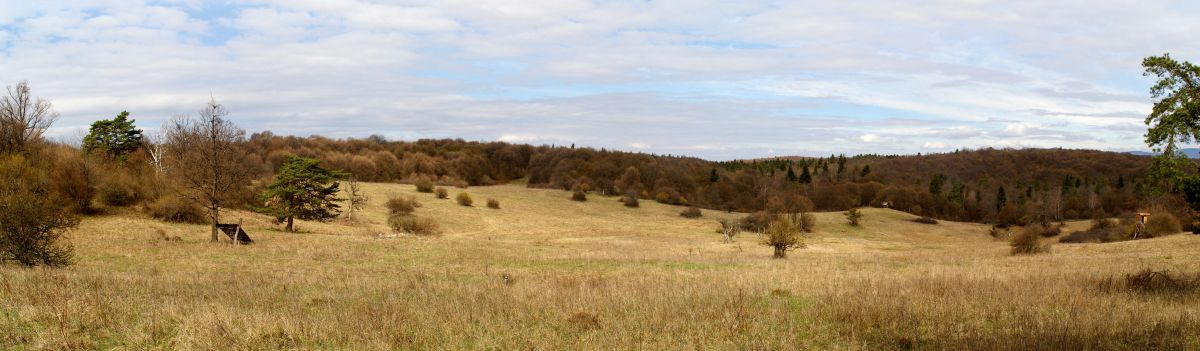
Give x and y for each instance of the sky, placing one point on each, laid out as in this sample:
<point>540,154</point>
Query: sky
<point>718,80</point>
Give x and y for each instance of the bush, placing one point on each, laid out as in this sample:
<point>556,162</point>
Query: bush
<point>579,195</point>
<point>630,201</point>
<point>413,225</point>
<point>177,210</point>
<point>808,222</point>
<point>854,216</point>
<point>424,185</point>
<point>1153,282</point>
<point>926,220</point>
<point>1029,241</point>
<point>783,234</point>
<point>691,212</point>
<point>116,193</point>
<point>34,219</point>
<point>1001,232</point>
<point>1047,230</point>
<point>1162,223</point>
<point>464,199</point>
<point>493,204</point>
<point>441,193</point>
<point>757,221</point>
<point>398,205</point>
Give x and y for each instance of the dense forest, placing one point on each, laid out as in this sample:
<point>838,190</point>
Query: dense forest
<point>987,185</point>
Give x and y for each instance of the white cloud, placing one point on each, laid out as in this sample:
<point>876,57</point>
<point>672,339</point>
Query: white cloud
<point>729,79</point>
<point>937,145</point>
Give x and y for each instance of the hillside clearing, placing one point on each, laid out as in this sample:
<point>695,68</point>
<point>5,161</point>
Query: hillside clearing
<point>545,272</point>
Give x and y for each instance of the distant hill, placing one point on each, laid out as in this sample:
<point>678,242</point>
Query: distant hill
<point>1189,152</point>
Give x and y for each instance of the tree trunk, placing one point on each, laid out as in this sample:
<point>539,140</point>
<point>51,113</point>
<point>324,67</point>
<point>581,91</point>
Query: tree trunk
<point>213,212</point>
<point>289,225</point>
<point>780,252</point>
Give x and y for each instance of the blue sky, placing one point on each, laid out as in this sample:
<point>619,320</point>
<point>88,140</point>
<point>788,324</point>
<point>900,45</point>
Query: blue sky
<point>718,80</point>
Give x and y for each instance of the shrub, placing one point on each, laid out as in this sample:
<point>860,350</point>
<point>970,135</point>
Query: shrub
<point>1047,230</point>
<point>1001,232</point>
<point>116,193</point>
<point>398,205</point>
<point>691,212</point>
<point>926,220</point>
<point>493,204</point>
<point>441,193</point>
<point>424,185</point>
<point>1148,281</point>
<point>1029,241</point>
<point>413,225</point>
<point>177,210</point>
<point>854,216</point>
<point>579,195</point>
<point>757,221</point>
<point>464,199</point>
<point>1162,223</point>
<point>808,222</point>
<point>33,218</point>
<point>783,234</point>
<point>630,201</point>
<point>729,228</point>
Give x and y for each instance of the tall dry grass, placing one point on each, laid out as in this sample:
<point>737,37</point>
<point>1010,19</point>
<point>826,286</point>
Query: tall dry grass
<point>549,273</point>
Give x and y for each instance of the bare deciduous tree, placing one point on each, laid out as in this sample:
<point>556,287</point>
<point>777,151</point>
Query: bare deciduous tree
<point>156,147</point>
<point>354,195</point>
<point>206,160</point>
<point>730,228</point>
<point>23,119</point>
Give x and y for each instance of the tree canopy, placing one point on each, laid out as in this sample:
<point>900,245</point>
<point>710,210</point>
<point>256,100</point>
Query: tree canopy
<point>302,189</point>
<point>116,137</point>
<point>1175,119</point>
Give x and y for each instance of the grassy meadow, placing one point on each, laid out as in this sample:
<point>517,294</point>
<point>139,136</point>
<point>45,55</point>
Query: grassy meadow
<point>546,273</point>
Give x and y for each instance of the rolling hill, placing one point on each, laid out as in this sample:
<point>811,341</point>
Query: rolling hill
<point>544,272</point>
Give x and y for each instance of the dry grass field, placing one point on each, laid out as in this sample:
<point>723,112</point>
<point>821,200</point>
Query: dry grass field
<point>546,273</point>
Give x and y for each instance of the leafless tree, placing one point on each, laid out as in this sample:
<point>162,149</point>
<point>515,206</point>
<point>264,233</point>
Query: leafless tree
<point>156,146</point>
<point>206,160</point>
<point>355,195</point>
<point>23,119</point>
<point>729,229</point>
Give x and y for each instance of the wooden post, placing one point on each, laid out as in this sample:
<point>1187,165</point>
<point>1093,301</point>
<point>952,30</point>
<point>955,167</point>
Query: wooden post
<point>237,232</point>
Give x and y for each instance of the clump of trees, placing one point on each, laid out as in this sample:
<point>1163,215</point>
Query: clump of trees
<point>630,201</point>
<point>493,204</point>
<point>579,196</point>
<point>441,193</point>
<point>35,211</point>
<point>690,212</point>
<point>302,189</point>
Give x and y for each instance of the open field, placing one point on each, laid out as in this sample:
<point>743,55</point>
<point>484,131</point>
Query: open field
<point>544,272</point>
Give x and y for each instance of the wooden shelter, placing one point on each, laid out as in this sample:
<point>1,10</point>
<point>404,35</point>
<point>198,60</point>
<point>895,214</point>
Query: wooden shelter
<point>235,232</point>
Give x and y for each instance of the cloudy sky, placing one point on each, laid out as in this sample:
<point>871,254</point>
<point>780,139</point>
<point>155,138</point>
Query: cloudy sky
<point>718,79</point>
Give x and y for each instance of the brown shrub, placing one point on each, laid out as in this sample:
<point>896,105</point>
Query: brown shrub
<point>72,177</point>
<point>118,190</point>
<point>630,201</point>
<point>413,225</point>
<point>579,195</point>
<point>808,222</point>
<point>464,199</point>
<point>1162,223</point>
<point>177,210</point>
<point>1001,232</point>
<point>441,193</point>
<point>690,212</point>
<point>757,221</point>
<point>1029,241</point>
<point>400,205</point>
<point>1149,281</point>
<point>423,184</point>
<point>34,220</point>
<point>493,204</point>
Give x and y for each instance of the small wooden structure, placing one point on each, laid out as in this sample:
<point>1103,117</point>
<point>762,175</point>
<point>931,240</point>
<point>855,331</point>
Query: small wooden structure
<point>235,232</point>
<point>1143,217</point>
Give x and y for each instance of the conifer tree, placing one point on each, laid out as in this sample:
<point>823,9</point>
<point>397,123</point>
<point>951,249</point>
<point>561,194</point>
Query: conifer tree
<point>302,189</point>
